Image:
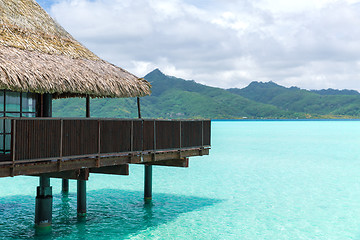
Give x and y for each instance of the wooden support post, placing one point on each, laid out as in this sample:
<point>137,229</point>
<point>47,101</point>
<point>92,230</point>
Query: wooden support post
<point>148,183</point>
<point>43,204</point>
<point>87,106</point>
<point>138,105</point>
<point>147,169</point>
<point>65,185</point>
<point>47,105</point>
<point>81,184</point>
<point>81,198</point>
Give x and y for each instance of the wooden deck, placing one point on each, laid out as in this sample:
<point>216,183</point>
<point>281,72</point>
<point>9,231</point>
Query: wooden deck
<point>63,146</point>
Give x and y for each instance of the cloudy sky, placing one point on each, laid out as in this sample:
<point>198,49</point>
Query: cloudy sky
<point>223,43</point>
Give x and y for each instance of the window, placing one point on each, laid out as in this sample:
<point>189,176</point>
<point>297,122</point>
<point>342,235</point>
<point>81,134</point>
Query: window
<point>13,104</point>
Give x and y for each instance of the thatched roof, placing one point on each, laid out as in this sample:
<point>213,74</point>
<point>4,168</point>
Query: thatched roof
<point>38,55</point>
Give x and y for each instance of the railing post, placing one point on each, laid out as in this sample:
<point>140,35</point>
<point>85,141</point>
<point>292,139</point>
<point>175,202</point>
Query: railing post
<point>202,133</point>
<point>154,135</point>
<point>142,135</point>
<point>99,144</point>
<point>132,136</point>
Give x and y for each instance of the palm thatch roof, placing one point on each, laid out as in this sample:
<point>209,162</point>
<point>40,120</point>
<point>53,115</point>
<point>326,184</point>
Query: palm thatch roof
<point>38,55</point>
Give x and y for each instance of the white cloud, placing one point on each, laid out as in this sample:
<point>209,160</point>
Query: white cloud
<point>311,44</point>
<point>230,20</point>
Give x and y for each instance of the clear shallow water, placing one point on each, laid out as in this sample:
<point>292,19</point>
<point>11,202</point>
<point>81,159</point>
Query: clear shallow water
<point>262,180</point>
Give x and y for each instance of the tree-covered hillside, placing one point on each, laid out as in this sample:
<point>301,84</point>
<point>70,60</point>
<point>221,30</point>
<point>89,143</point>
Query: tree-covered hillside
<point>176,98</point>
<point>321,102</point>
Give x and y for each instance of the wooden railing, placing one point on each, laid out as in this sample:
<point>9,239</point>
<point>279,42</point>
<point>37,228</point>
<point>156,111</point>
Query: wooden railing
<point>36,139</point>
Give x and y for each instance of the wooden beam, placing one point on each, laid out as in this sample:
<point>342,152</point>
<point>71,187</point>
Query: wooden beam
<point>167,155</point>
<point>181,162</point>
<point>80,174</point>
<point>115,170</point>
<point>49,167</point>
<point>31,168</point>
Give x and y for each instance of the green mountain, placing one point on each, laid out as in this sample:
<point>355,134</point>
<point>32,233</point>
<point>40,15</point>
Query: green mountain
<point>178,98</point>
<point>175,98</point>
<point>318,103</point>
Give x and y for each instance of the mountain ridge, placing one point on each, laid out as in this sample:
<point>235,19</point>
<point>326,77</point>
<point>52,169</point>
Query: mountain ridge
<point>174,97</point>
<point>331,102</point>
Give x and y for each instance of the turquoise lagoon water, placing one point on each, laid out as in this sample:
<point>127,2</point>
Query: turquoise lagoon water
<point>262,180</point>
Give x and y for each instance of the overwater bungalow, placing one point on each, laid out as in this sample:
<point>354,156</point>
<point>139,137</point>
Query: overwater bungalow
<point>40,61</point>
